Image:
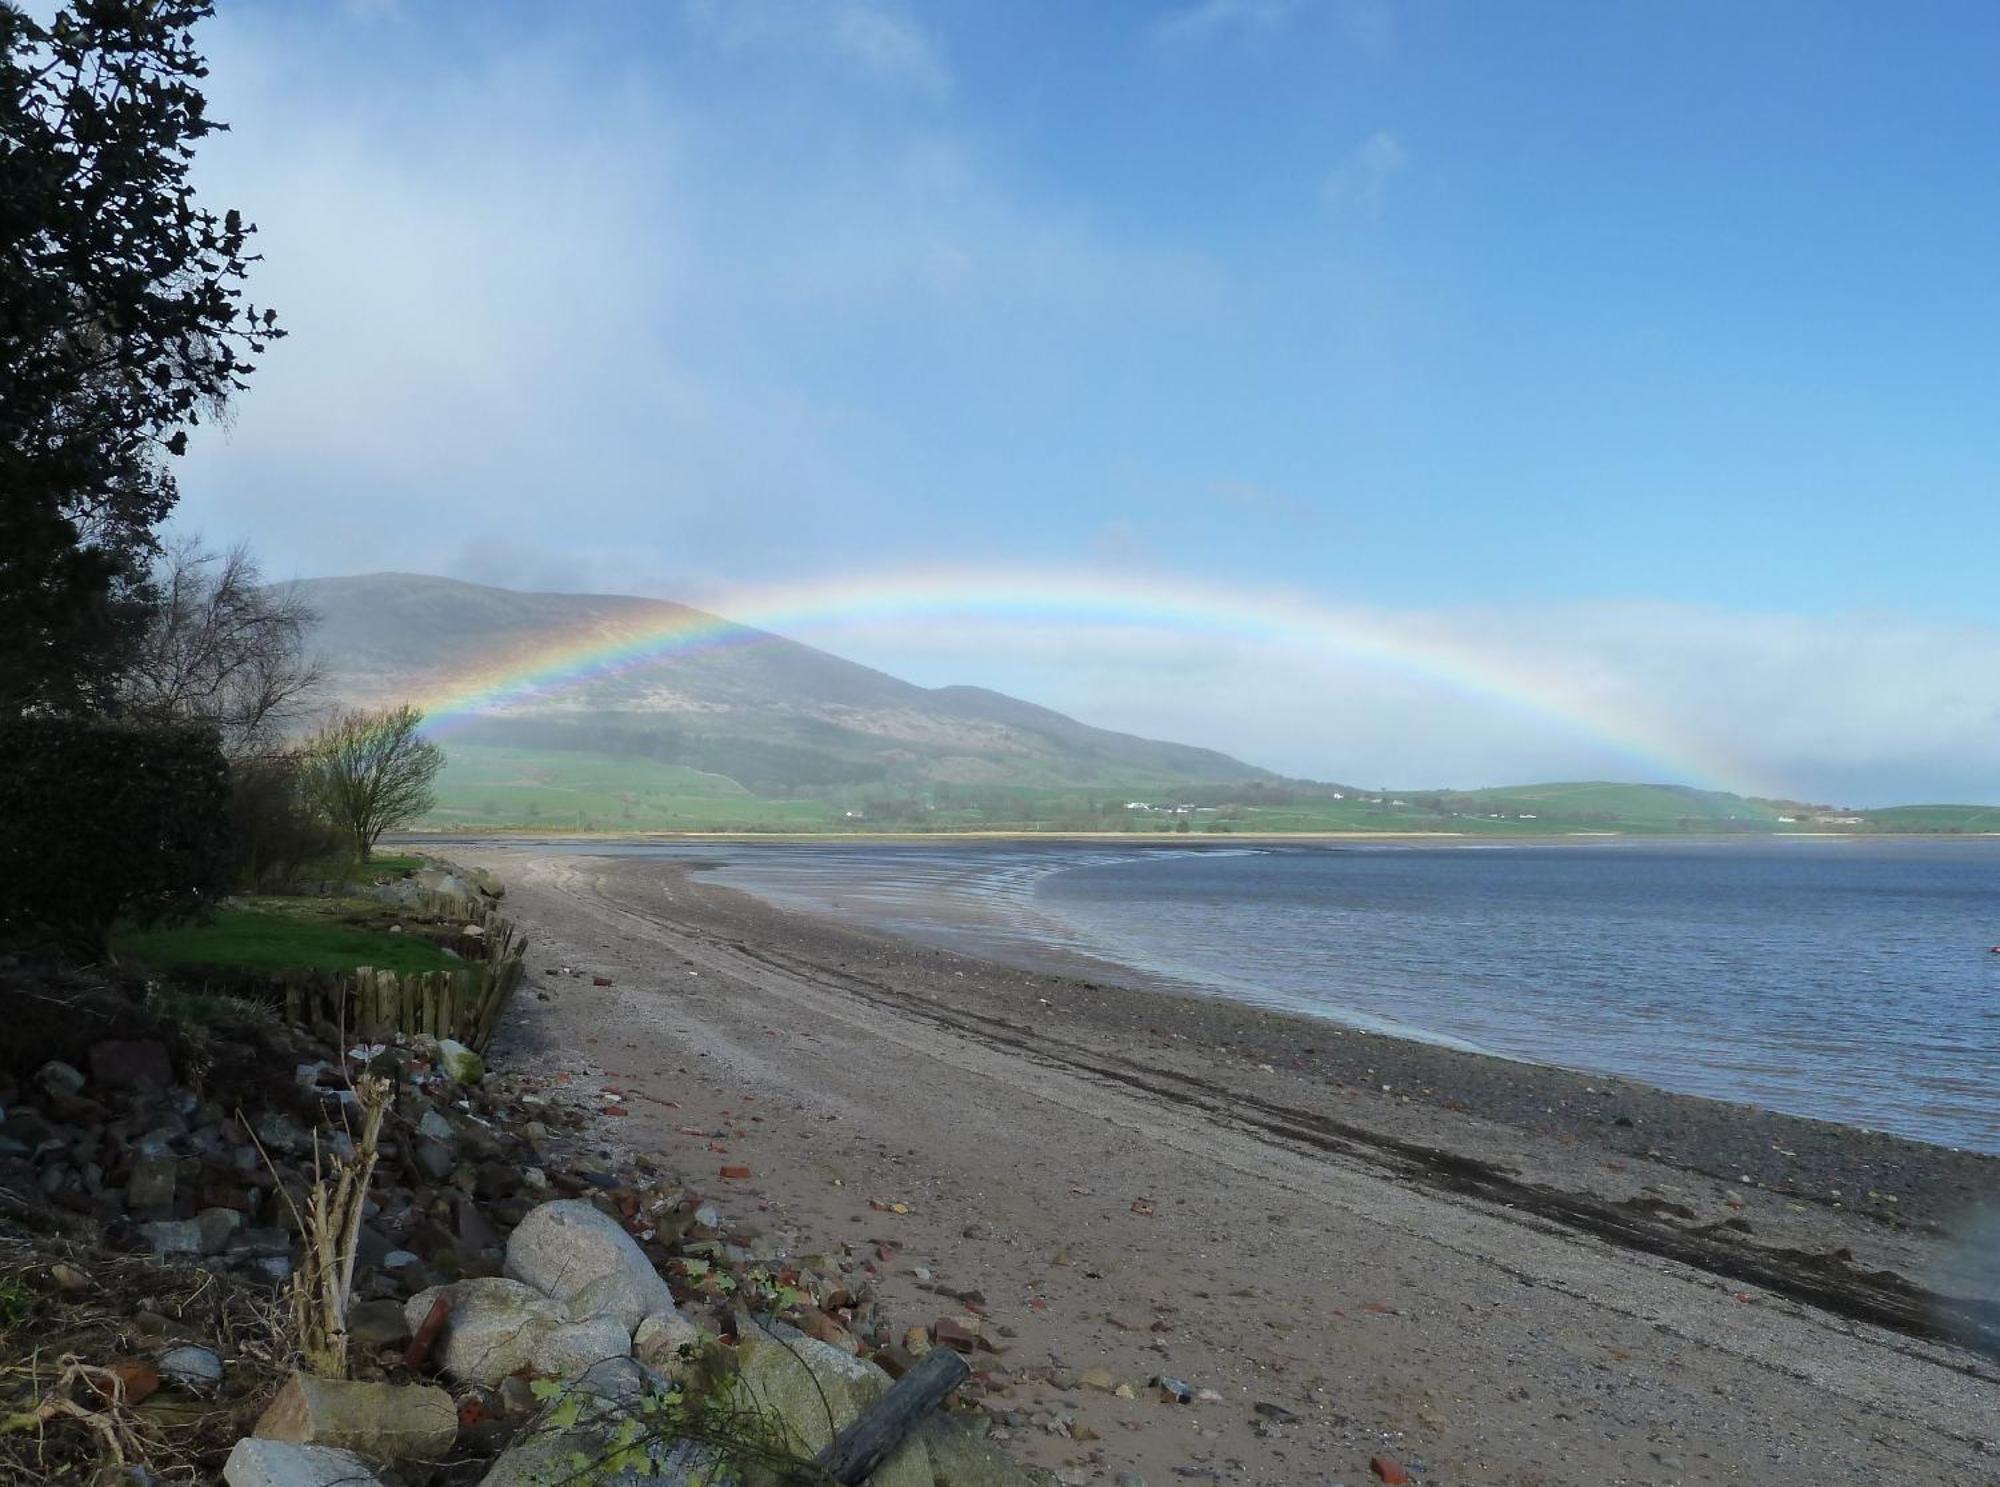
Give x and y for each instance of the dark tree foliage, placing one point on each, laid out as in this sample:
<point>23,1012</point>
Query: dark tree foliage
<point>122,322</point>
<point>277,832</point>
<point>106,821</point>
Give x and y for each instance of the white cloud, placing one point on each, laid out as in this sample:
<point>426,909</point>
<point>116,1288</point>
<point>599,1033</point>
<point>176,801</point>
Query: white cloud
<point>879,39</point>
<point>1845,709</point>
<point>550,304</point>
<point>1356,188</point>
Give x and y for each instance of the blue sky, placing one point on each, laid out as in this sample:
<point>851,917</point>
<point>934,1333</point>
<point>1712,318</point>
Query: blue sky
<point>1656,343</point>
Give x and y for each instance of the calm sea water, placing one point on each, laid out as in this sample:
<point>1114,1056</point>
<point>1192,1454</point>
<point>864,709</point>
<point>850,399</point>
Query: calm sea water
<point>1849,979</point>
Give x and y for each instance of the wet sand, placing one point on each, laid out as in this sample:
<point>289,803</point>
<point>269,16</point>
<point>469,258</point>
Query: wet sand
<point>1500,1271</point>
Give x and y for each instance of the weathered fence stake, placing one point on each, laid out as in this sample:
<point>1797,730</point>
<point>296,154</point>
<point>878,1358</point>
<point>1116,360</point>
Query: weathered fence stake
<point>873,1438</point>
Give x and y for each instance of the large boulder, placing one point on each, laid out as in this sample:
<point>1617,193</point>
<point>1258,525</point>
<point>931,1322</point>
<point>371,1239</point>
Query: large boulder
<point>450,884</point>
<point>564,1458</point>
<point>582,1258</point>
<point>384,1422</point>
<point>961,1456</point>
<point>500,1326</point>
<point>806,1393</point>
<point>605,1415</point>
<point>258,1463</point>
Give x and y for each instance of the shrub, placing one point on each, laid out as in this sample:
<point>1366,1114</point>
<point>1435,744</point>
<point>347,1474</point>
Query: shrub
<point>276,830</point>
<point>101,821</point>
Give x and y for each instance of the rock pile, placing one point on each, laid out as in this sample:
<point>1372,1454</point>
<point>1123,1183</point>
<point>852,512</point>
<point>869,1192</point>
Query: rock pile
<point>521,1302</point>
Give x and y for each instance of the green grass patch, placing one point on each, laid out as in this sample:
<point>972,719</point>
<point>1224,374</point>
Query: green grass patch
<point>383,865</point>
<point>1946,818</point>
<point>483,786</point>
<point>262,938</point>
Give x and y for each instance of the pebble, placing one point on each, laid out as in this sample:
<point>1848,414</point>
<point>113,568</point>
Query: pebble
<point>191,1367</point>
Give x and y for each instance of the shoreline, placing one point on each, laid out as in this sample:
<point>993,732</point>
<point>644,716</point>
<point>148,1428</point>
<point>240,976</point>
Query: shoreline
<point>1036,955</point>
<point>1900,1181</point>
<point>1178,1148</point>
<point>515,835</point>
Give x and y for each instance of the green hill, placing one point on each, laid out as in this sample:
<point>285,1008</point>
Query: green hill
<point>775,716</point>
<point>488,787</point>
<point>1940,818</point>
<point>1606,804</point>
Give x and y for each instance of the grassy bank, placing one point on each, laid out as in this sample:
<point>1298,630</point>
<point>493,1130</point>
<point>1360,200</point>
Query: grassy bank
<point>282,934</point>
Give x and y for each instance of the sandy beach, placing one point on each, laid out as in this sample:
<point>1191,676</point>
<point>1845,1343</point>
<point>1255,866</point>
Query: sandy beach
<point>1493,1272</point>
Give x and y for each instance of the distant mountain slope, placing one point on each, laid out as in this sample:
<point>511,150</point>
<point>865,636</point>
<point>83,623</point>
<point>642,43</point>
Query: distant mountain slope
<point>768,712</point>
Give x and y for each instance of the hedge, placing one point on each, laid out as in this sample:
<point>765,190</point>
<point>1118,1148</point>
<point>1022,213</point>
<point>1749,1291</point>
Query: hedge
<point>107,821</point>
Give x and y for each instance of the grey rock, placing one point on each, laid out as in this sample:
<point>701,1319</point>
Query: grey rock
<point>261,1463</point>
<point>172,1237</point>
<point>384,1422</point>
<point>436,1158</point>
<point>151,1181</point>
<point>608,1394</point>
<point>262,1242</point>
<point>217,1225</point>
<point>434,1126</point>
<point>460,1062</point>
<point>279,1132</point>
<point>587,1263</point>
<point>59,1078</point>
<point>500,1326</point>
<point>658,1339</point>
<point>191,1367</point>
<point>540,1458</point>
<point>377,1324</point>
<point>811,1391</point>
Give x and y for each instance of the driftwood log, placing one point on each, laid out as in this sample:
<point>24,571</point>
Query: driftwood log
<point>873,1438</point>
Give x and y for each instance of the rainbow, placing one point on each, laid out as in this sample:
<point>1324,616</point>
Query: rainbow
<point>561,664</point>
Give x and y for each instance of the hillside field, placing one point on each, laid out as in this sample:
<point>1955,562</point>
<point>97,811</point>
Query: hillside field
<point>487,787</point>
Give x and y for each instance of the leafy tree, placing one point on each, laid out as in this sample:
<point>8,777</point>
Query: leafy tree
<point>122,323</point>
<point>373,771</point>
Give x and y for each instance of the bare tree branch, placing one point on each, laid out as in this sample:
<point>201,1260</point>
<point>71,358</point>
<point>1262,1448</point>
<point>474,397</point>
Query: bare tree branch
<point>371,771</point>
<point>224,648</point>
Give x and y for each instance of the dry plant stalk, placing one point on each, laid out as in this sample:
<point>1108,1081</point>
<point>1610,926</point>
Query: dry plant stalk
<point>331,1228</point>
<point>108,1424</point>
